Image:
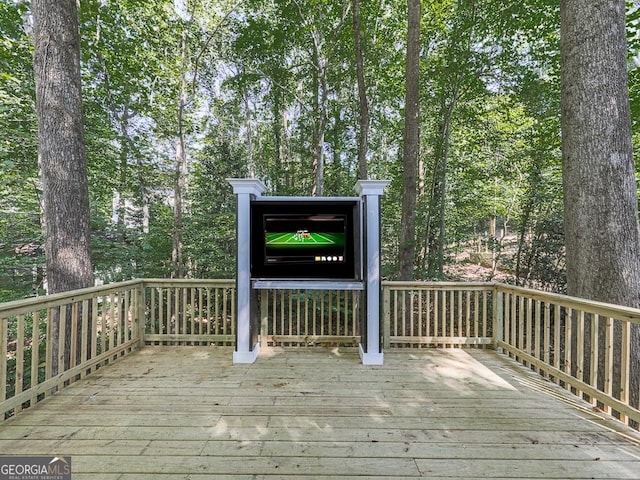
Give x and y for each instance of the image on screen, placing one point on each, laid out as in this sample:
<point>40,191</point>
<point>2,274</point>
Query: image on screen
<point>305,238</point>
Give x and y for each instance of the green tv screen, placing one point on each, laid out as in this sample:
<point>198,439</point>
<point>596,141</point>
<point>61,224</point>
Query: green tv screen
<point>305,240</point>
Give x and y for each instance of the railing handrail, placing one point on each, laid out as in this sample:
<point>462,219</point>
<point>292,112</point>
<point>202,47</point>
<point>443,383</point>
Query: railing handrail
<point>437,285</point>
<point>164,282</point>
<point>620,312</point>
<point>18,307</point>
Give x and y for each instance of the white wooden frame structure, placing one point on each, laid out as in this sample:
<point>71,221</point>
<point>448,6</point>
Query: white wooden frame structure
<point>247,344</point>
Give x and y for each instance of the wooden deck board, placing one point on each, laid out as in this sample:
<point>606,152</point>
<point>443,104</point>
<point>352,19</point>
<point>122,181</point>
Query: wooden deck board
<point>187,412</point>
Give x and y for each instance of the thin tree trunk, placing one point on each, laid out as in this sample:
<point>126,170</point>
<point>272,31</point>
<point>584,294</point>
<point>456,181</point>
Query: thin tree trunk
<point>435,236</point>
<point>251,164</point>
<point>320,124</point>
<point>411,143</point>
<point>363,134</point>
<point>180,174</point>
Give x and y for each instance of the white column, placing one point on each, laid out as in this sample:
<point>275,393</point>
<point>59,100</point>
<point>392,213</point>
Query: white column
<point>245,189</point>
<point>371,191</point>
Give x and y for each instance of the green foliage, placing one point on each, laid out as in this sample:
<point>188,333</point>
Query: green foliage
<point>490,117</point>
<point>21,259</point>
<point>210,226</point>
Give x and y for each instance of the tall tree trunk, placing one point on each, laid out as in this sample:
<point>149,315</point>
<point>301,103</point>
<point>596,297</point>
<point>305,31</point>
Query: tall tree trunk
<point>180,174</point>
<point>320,122</point>
<point>411,143</point>
<point>600,198</point>
<point>61,152</point>
<point>363,134</point>
<point>248,123</point>
<point>435,236</point>
<point>276,128</point>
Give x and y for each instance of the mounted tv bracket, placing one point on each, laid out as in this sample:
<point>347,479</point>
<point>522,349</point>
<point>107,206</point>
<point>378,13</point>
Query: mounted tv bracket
<point>352,262</point>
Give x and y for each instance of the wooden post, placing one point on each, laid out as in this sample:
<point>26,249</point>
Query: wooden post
<point>140,313</point>
<point>498,319</point>
<point>264,316</point>
<point>386,317</point>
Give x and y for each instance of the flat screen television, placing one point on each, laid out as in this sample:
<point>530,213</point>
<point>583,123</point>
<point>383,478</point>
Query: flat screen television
<point>298,239</point>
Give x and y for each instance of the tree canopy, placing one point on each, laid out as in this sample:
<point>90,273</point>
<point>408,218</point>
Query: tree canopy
<point>179,95</point>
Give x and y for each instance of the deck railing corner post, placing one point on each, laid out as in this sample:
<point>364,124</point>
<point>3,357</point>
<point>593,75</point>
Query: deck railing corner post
<point>141,313</point>
<point>498,318</point>
<point>386,316</point>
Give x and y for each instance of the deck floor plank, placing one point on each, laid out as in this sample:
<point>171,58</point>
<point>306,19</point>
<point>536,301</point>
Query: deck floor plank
<point>186,412</point>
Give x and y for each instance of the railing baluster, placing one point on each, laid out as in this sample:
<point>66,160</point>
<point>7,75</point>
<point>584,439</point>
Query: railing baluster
<point>580,349</point>
<point>19,373</point>
<point>4,334</point>
<point>608,360</point>
<point>547,335</point>
<point>330,313</point>
<point>537,331</point>
<point>625,365</point>
<point>314,314</point>
<point>127,320</point>
<point>595,356</point>
<point>568,329</point>
<point>73,354</point>
<point>35,353</point>
<point>476,311</point>
<point>190,310</point>
<point>61,340</point>
<point>443,315</point>
<point>485,318</point>
<point>556,338</point>
<point>84,332</point>
<point>298,316</point>
<point>233,310</point>
<point>386,315</point>
<point>94,329</point>
<point>452,314</point>
<point>521,316</point>
<point>395,313</point>
<point>436,313</point>
<point>514,322</point>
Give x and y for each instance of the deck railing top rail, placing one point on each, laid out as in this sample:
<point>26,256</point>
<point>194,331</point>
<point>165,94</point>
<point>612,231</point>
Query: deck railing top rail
<point>17,307</point>
<point>618,312</point>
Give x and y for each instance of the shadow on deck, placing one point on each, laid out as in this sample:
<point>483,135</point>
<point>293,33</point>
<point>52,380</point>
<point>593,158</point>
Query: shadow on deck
<point>187,412</point>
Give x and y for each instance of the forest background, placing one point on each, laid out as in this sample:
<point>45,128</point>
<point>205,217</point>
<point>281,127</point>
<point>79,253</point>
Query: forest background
<point>179,95</point>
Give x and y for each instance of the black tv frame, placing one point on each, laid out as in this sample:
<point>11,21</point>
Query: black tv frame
<point>292,208</point>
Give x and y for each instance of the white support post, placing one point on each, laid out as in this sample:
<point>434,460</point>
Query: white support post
<point>371,191</point>
<point>245,189</point>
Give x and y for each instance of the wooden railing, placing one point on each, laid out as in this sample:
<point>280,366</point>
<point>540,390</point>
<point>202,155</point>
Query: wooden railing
<point>586,347</point>
<point>309,317</point>
<point>437,314</point>
<point>190,312</point>
<point>582,345</point>
<point>100,324</point>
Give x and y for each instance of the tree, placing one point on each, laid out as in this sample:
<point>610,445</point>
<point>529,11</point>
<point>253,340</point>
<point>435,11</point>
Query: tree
<point>411,142</point>
<point>61,151</point>
<point>21,253</point>
<point>61,147</point>
<point>363,133</point>
<point>600,198</point>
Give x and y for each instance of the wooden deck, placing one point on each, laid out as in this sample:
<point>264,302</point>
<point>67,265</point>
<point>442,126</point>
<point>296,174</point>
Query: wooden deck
<point>188,413</point>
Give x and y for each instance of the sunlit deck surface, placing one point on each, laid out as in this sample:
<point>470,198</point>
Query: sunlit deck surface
<point>189,413</point>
